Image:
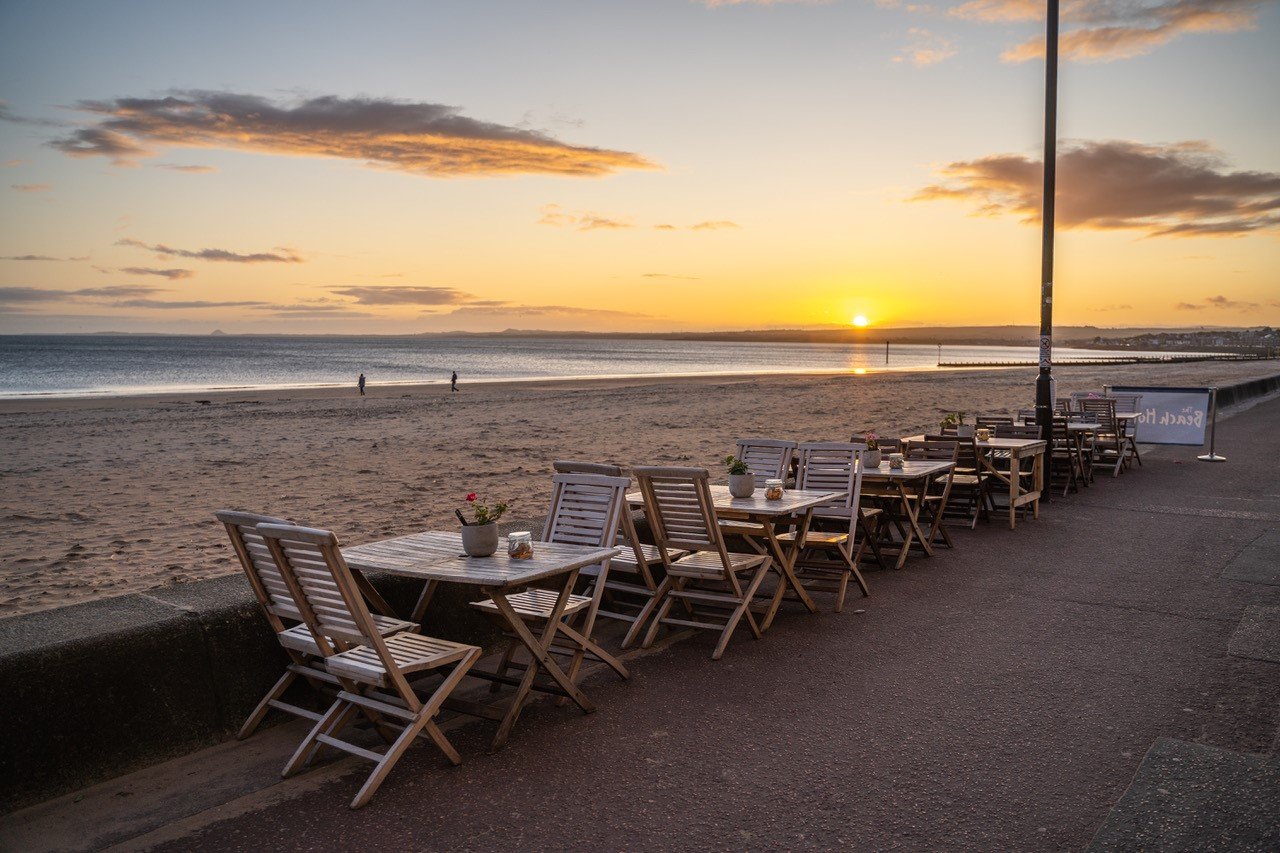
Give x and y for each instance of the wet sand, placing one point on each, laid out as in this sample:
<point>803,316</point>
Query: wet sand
<point>100,497</point>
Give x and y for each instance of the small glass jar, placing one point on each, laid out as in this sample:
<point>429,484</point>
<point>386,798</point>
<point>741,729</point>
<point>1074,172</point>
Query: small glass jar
<point>895,461</point>
<point>773,490</point>
<point>520,545</point>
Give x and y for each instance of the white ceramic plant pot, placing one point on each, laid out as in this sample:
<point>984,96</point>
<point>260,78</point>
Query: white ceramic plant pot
<point>742,485</point>
<point>871,458</point>
<point>480,540</point>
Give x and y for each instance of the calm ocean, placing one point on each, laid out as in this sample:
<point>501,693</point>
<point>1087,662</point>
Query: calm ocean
<point>87,365</point>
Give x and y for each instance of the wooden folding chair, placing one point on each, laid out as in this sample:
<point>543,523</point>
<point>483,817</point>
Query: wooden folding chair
<point>933,502</point>
<point>284,617</point>
<point>1128,429</point>
<point>1108,444</point>
<point>586,509</point>
<point>372,671</point>
<point>1067,470</point>
<point>631,582</point>
<point>969,481</point>
<point>682,514</point>
<point>829,552</point>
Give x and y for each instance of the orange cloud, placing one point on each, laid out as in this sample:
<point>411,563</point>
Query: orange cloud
<point>1104,30</point>
<point>280,255</point>
<point>1183,189</point>
<point>924,48</point>
<point>418,138</point>
<point>32,188</point>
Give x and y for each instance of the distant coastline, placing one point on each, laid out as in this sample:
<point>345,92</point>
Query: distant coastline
<point>1010,335</point>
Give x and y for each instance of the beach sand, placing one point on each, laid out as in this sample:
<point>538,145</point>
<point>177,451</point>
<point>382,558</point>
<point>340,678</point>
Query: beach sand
<point>106,496</point>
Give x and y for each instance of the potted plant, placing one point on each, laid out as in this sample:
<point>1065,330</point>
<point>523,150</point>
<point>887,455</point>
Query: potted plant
<point>871,458</point>
<point>742,483</point>
<point>954,420</point>
<point>480,535</point>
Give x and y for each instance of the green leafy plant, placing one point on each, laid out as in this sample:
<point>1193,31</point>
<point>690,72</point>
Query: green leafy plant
<point>953,419</point>
<point>483,513</point>
<point>736,465</point>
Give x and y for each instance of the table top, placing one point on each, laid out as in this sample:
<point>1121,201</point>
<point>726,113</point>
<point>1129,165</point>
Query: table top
<point>995,443</point>
<point>912,469</point>
<point>792,501</point>
<point>438,556</point>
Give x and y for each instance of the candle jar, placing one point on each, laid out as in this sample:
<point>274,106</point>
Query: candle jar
<point>773,490</point>
<point>895,461</point>
<point>984,434</point>
<point>520,546</point>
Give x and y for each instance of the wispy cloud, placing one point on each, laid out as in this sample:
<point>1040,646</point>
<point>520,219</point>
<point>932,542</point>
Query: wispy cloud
<point>1184,189</point>
<point>669,275</point>
<point>280,255</point>
<point>403,295</point>
<point>714,225</point>
<point>1220,302</point>
<point>31,258</point>
<point>1105,30</point>
<point>16,295</point>
<point>924,48</point>
<point>171,274</point>
<point>555,215</point>
<point>32,188</point>
<point>191,169</point>
<point>415,137</point>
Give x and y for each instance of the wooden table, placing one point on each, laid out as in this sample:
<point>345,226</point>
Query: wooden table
<point>1018,449</point>
<point>437,558</point>
<point>914,473</point>
<point>795,507</point>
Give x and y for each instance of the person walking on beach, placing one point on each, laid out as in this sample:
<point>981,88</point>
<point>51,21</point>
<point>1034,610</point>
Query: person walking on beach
<point>453,383</point>
<point>361,384</point>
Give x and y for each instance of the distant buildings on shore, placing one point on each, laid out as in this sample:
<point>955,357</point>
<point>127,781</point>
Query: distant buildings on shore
<point>1262,339</point>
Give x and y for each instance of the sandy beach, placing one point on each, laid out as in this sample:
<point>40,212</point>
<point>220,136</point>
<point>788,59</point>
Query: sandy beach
<point>115,495</point>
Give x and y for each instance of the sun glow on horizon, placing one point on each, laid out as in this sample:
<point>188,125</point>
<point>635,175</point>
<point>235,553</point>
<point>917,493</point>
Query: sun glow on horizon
<point>860,321</point>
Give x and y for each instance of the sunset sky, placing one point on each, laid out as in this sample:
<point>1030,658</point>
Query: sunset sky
<point>643,165</point>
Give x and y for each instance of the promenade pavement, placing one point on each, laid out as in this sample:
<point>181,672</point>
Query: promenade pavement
<point>1107,675</point>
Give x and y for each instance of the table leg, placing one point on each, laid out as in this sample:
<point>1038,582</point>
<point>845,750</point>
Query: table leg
<point>1015,475</point>
<point>541,659</point>
<point>786,568</point>
<point>1038,480</point>
<point>420,609</point>
<point>913,524</point>
<point>372,596</point>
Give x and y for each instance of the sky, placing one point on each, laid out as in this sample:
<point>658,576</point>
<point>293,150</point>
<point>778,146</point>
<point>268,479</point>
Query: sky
<point>651,165</point>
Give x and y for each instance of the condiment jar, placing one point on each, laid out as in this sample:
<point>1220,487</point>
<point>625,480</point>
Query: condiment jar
<point>773,490</point>
<point>520,545</point>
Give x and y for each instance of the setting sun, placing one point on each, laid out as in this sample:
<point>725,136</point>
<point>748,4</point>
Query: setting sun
<point>860,321</point>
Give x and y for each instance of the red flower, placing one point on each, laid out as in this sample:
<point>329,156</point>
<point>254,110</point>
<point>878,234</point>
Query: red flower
<point>471,497</point>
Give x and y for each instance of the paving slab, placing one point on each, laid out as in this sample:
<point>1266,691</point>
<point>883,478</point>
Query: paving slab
<point>1259,562</point>
<point>1258,635</point>
<point>1193,797</point>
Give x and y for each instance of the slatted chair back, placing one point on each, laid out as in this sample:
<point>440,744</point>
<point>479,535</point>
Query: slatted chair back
<point>1103,410</point>
<point>1025,431</point>
<point>322,584</point>
<point>576,466</point>
<point>680,509</point>
<point>992,421</point>
<point>1126,402</point>
<point>1065,406</point>
<point>766,457</point>
<point>886,445</point>
<point>831,466</point>
<point>966,450</point>
<point>268,585</point>
<point>934,449</point>
<point>586,509</point>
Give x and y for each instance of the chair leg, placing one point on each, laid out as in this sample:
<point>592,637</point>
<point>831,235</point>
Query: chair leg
<point>661,613</point>
<point>857,575</point>
<point>742,609</point>
<point>650,606</point>
<point>339,711</point>
<point>504,663</point>
<point>251,724</point>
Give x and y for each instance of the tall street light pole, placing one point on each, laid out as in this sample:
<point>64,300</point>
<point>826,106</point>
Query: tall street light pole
<point>1044,382</point>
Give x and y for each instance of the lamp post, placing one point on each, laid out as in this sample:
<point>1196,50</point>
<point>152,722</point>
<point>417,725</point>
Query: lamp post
<point>1044,382</point>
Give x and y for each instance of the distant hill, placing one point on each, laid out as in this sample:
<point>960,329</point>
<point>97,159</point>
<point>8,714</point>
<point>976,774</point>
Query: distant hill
<point>950,335</point>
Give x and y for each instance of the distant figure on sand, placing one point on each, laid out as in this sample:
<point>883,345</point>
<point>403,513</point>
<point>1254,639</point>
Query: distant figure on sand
<point>361,384</point>
<point>453,383</point>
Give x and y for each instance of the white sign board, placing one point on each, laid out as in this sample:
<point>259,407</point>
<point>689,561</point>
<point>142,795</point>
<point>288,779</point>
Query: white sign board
<point>1170,415</point>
